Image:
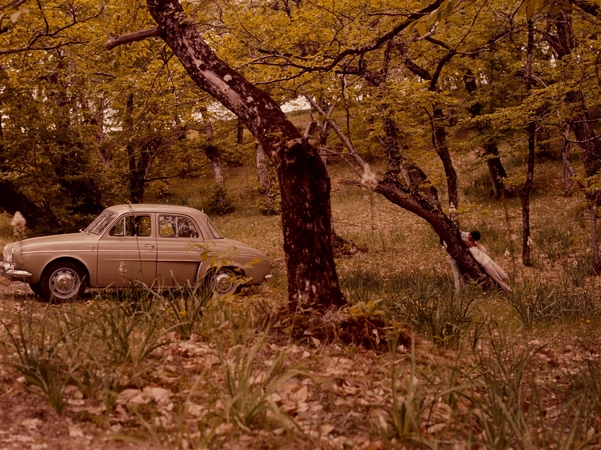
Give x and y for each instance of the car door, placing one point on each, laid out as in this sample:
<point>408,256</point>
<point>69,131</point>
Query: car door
<point>128,252</point>
<point>178,255</point>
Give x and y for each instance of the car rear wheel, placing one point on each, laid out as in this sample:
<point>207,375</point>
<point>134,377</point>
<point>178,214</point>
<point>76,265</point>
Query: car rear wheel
<point>224,281</point>
<point>63,280</point>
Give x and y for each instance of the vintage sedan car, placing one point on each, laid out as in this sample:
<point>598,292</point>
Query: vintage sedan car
<point>158,245</point>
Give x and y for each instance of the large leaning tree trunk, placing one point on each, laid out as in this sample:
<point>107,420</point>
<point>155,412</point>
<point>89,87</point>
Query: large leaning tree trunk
<point>443,225</point>
<point>416,195</point>
<point>304,182</point>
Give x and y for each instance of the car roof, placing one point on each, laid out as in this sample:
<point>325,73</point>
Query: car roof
<point>157,208</point>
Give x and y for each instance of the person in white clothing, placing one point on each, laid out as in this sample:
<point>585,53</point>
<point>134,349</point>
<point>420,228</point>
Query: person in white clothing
<point>488,264</point>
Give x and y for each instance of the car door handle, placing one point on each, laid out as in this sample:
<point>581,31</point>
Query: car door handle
<point>149,245</point>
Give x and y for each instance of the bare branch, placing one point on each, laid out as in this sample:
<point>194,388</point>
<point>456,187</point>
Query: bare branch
<point>12,5</point>
<point>115,41</point>
<point>587,6</point>
<point>375,45</point>
<point>12,51</point>
<point>337,130</point>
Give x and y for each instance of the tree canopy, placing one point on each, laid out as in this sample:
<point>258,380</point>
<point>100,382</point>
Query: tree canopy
<point>99,95</point>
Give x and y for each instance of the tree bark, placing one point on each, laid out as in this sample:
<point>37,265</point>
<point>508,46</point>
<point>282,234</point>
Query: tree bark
<point>525,198</point>
<point>439,139</point>
<point>304,182</point>
<point>131,150</point>
<point>413,175</point>
<point>214,155</point>
<point>594,237</point>
<point>563,44</point>
<point>444,226</point>
<point>568,170</point>
<point>269,204</point>
<point>527,187</point>
<point>496,170</point>
<point>240,132</point>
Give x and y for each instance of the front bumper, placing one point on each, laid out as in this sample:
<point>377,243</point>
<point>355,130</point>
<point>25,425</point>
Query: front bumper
<point>7,270</point>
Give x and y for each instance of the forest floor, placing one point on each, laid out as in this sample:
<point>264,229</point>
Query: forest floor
<point>26,420</point>
<point>343,397</point>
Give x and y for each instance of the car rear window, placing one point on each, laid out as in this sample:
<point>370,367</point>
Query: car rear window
<point>177,226</point>
<point>101,222</point>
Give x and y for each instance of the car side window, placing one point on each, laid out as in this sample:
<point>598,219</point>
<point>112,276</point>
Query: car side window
<point>177,226</point>
<point>132,226</point>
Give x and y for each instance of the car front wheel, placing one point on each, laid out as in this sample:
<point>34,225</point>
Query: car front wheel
<point>224,281</point>
<point>63,280</point>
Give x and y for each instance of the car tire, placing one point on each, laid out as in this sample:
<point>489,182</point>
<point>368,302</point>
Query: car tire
<point>63,280</point>
<point>37,289</point>
<point>224,281</point>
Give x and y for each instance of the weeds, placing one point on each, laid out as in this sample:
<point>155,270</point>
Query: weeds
<point>42,358</point>
<point>186,304</point>
<point>420,407</point>
<point>362,286</point>
<point>537,302</point>
<point>403,414</point>
<point>247,390</point>
<point>433,308</point>
<point>128,337</point>
<point>554,241</point>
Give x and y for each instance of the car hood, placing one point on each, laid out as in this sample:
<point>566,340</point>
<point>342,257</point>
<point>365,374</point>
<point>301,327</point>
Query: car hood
<point>57,242</point>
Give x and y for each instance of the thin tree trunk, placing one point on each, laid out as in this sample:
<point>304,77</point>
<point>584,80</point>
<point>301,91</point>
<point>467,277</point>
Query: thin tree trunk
<point>413,176</point>
<point>525,199</point>
<point>341,135</point>
<point>568,170</point>
<point>527,188</point>
<point>269,206</point>
<point>590,144</point>
<point>439,139</point>
<point>594,236</point>
<point>214,156</point>
<point>131,151</point>
<point>240,132</point>
<point>495,169</point>
<point>304,182</point>
<point>564,44</point>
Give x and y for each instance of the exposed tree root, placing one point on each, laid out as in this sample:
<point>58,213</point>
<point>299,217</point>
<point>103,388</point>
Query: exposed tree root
<point>318,327</point>
<point>344,248</point>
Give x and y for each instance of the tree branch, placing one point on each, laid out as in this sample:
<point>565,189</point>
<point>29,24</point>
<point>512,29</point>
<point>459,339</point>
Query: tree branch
<point>375,45</point>
<point>587,6</point>
<point>115,41</point>
<point>337,130</point>
<point>12,5</point>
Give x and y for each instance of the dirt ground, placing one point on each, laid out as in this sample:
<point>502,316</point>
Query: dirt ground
<point>27,421</point>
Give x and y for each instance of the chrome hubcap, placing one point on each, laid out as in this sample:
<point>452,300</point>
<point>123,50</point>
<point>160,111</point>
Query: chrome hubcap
<point>64,283</point>
<point>223,282</point>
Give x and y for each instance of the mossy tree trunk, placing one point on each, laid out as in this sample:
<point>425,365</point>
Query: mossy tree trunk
<point>304,182</point>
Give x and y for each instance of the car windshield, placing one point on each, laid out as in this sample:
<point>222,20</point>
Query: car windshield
<point>101,222</point>
<point>216,233</point>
